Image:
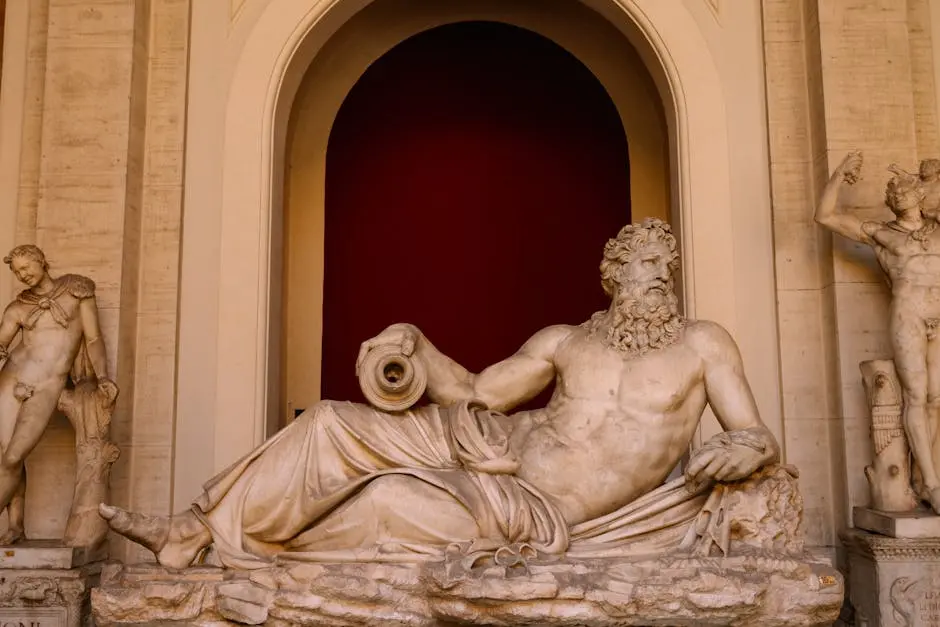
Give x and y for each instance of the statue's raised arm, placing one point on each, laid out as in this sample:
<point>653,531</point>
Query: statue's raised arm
<point>830,213</point>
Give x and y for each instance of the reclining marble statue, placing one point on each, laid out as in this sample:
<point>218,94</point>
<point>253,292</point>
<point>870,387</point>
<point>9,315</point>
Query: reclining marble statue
<point>908,250</point>
<point>60,342</point>
<point>584,475</point>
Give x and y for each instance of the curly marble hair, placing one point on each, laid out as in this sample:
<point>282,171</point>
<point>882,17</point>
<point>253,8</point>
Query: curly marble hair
<point>620,250</point>
<point>901,185</point>
<point>28,251</point>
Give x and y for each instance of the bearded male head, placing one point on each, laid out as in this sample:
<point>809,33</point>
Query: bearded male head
<point>637,273</point>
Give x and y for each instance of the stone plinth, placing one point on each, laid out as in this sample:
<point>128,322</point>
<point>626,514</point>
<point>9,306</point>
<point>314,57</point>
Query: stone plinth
<point>43,584</point>
<point>894,582</point>
<point>915,524</point>
<point>675,591</point>
<point>48,554</point>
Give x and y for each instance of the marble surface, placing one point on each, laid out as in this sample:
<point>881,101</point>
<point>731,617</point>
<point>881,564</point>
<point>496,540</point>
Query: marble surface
<point>33,554</point>
<point>915,524</point>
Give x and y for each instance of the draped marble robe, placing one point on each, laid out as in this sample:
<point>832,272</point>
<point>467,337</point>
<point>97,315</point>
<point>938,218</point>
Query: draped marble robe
<point>346,482</point>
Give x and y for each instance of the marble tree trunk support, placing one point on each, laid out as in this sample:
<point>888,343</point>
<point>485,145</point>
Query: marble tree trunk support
<point>89,408</point>
<point>889,474</point>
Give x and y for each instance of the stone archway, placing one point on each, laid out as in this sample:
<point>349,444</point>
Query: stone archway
<point>236,277</point>
<point>352,50</point>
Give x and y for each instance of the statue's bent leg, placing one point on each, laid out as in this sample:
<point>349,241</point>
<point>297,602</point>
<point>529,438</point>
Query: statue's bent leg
<point>392,512</point>
<point>9,409</point>
<point>933,399</point>
<point>16,511</point>
<point>31,422</point>
<point>909,339</point>
<point>306,472</point>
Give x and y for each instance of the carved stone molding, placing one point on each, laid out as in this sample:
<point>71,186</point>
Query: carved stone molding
<point>885,549</point>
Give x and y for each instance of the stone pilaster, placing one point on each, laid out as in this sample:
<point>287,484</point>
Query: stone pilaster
<point>809,378</point>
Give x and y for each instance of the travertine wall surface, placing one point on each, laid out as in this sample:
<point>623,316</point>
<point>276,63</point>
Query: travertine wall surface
<point>841,75</point>
<point>100,189</point>
<point>100,97</point>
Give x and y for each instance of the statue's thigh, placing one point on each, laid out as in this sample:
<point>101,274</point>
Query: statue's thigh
<point>9,410</point>
<point>32,420</point>
<point>393,509</point>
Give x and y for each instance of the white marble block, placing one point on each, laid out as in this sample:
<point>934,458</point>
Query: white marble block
<point>916,524</point>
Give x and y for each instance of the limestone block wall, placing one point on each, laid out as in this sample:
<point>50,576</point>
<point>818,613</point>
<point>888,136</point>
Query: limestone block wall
<point>841,75</point>
<point>101,109</point>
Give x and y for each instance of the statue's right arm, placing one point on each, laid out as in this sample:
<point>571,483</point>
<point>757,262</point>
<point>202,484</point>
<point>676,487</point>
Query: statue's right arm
<point>9,326</point>
<point>830,214</point>
<point>501,387</point>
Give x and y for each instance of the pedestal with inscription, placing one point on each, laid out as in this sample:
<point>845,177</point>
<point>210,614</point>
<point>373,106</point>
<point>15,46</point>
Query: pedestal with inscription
<point>893,582</point>
<point>45,584</point>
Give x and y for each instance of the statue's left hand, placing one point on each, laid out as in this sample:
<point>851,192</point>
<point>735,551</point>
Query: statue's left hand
<point>729,463</point>
<point>109,388</point>
<point>403,335</point>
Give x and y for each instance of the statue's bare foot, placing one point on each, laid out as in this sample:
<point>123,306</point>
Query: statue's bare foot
<point>174,540</point>
<point>12,536</point>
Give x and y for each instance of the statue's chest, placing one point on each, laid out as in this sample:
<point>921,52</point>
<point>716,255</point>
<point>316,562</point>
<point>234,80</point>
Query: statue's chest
<point>658,381</point>
<point>49,313</point>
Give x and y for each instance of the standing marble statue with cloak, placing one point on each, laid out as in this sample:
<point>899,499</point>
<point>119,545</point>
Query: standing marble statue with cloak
<point>56,320</point>
<point>583,476</point>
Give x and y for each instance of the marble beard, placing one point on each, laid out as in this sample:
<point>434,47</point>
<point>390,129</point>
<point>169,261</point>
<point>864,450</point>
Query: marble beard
<point>347,482</point>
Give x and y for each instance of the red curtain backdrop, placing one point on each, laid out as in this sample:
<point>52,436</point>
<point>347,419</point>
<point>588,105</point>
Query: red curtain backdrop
<point>474,174</point>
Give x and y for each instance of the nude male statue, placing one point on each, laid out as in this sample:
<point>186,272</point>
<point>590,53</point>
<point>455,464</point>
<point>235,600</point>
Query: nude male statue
<point>631,386</point>
<point>57,319</point>
<point>908,250</point>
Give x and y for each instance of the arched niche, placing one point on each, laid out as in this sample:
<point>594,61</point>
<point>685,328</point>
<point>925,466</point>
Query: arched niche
<point>344,59</point>
<point>230,303</point>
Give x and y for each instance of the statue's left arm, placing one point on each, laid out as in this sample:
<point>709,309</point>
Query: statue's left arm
<point>501,387</point>
<point>93,340</point>
<point>747,444</point>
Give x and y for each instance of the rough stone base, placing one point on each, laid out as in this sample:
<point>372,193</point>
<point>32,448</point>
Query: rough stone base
<point>47,597</point>
<point>893,581</point>
<point>669,591</point>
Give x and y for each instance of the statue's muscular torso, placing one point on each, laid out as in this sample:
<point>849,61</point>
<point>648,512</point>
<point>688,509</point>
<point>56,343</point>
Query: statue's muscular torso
<point>617,424</point>
<point>46,351</point>
<point>912,266</point>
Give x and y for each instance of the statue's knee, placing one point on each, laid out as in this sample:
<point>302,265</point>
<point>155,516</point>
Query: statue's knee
<point>11,462</point>
<point>389,492</point>
<point>916,400</point>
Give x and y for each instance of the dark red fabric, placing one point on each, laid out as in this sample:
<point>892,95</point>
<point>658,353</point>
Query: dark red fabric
<point>474,174</point>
